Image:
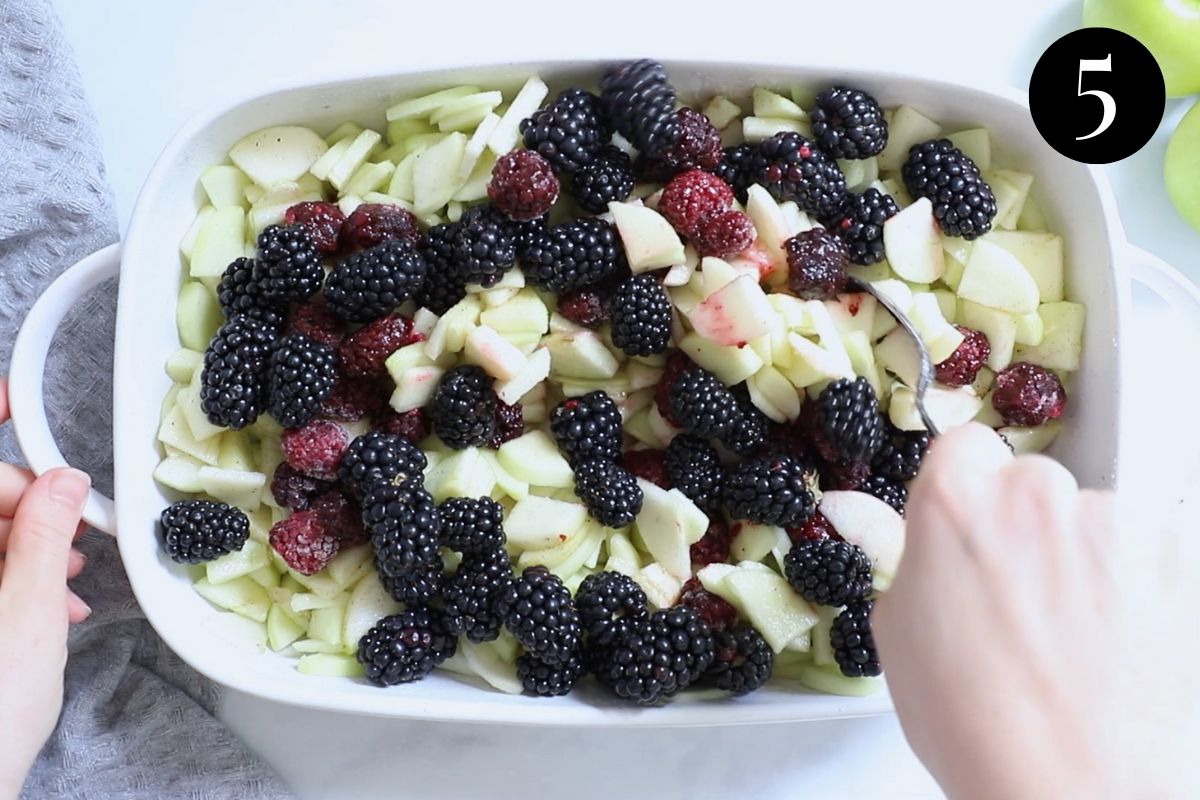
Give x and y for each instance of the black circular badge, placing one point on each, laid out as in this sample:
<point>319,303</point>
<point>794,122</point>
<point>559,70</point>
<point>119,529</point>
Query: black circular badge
<point>1097,95</point>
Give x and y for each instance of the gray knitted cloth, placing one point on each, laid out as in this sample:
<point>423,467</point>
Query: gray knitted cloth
<point>137,722</point>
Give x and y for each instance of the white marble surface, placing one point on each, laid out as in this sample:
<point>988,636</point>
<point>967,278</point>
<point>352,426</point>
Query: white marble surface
<point>148,65</point>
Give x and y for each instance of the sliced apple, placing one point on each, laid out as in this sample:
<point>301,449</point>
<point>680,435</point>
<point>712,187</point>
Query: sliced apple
<point>906,128</point>
<point>754,542</point>
<point>813,364</point>
<point>508,130</point>
<point>534,458</point>
<point>940,337</point>
<point>464,473</point>
<point>434,173</point>
<point>730,364</point>
<point>661,587</point>
<point>416,388</point>
<point>369,602</point>
<point>281,153</point>
<point>525,312</point>
<point>734,314</point>
<point>774,394</point>
<point>949,408</point>
<point>975,144</point>
<point>897,354</point>
<point>649,240</point>
<point>769,222</point>
<point>1062,337</point>
<point>913,245</point>
<point>771,605</point>
<point>580,355</point>
<point>535,370</point>
<point>995,278</point>
<point>1031,440</point>
<point>1041,254</point>
<point>488,349</point>
<point>868,522</point>
<point>220,240</point>
<point>669,523</point>
<point>1000,328</point>
<point>539,522</point>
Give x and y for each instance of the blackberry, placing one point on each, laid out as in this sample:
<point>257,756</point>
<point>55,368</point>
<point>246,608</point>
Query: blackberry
<point>373,282</point>
<point>379,458</point>
<point>405,647</point>
<point>510,423</point>
<point>233,385</point>
<point>848,123</point>
<point>654,659</point>
<point>771,490</point>
<point>887,490</point>
<point>323,220</point>
<point>288,265</point>
<point>742,661</point>
<point>610,493</point>
<point>523,185</point>
<point>292,489</point>
<point>301,376</point>
<point>417,587</point>
<point>640,103</point>
<point>859,223</point>
<point>607,602</point>
<point>607,178</point>
<point>538,611</point>
<point>962,366</point>
<point>853,643</point>
<point>201,530</point>
<point>713,546</point>
<point>748,434</point>
<point>374,223</point>
<point>848,422</point>
<point>901,454</point>
<point>483,250</point>
<point>550,680</point>
<point>725,234</point>
<point>694,468</point>
<point>472,525</point>
<point>572,255</point>
<point>816,264</point>
<point>791,167</point>
<point>963,203</point>
<point>701,404</point>
<point>587,427</point>
<point>443,285</point>
<point>404,526</point>
<point>713,611</point>
<point>464,408</point>
<point>736,168</point>
<point>469,595</point>
<point>696,146</point>
<point>586,307</point>
<point>641,317</point>
<point>1028,395</point>
<point>237,293</point>
<point>828,572</point>
<point>568,132</point>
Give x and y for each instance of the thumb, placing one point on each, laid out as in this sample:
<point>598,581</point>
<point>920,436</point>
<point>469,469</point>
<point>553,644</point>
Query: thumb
<point>39,545</point>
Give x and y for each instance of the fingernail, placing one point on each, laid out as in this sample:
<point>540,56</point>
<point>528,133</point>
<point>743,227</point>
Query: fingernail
<point>69,487</point>
<point>77,560</point>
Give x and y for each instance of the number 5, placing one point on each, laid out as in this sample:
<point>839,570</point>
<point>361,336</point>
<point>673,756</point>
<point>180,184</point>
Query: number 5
<point>1106,99</point>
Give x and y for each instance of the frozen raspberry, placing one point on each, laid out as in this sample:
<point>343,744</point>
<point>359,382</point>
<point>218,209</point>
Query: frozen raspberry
<point>697,147</point>
<point>676,365</point>
<point>412,425</point>
<point>315,322</point>
<point>725,234</point>
<point>843,475</point>
<point>713,546</point>
<point>305,542</point>
<point>584,307</point>
<point>691,198</point>
<point>316,448</point>
<point>647,465</point>
<point>815,527</point>
<point>365,350</point>
<point>323,220</point>
<point>342,517</point>
<point>295,490</point>
<point>353,399</point>
<point>523,185</point>
<point>373,223</point>
<point>712,610</point>
<point>510,423</point>
<point>964,363</point>
<point>816,264</point>
<point>1028,395</point>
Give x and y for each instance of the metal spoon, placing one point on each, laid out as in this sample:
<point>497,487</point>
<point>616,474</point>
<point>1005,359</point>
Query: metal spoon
<point>925,374</point>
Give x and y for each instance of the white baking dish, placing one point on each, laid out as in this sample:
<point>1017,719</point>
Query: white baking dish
<point>1076,198</point>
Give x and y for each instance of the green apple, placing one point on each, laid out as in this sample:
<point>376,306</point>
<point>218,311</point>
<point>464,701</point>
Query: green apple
<point>580,355</point>
<point>1000,328</point>
<point>1170,29</point>
<point>240,595</point>
<point>508,131</point>
<point>949,408</point>
<point>486,348</point>
<point>912,242</point>
<point>906,127</point>
<point>1031,440</point>
<point>237,488</point>
<point>771,605</point>
<point>174,432</point>
<point>774,394</point>
<point>463,474</point>
<point>870,523</point>
<point>1181,168</point>
<point>996,279</point>
<point>282,153</point>
<point>669,523</point>
<point>756,129</point>
<point>731,365</point>
<point>220,240</point>
<point>534,459</point>
<point>434,173</point>
<point>734,315</point>
<point>975,144</point>
<point>1062,337</point>
<point>539,522</point>
<point>721,111</point>
<point>487,663</point>
<point>329,665</point>
<point>179,472</point>
<point>649,240</point>
<point>661,587</point>
<point>535,370</point>
<point>416,387</point>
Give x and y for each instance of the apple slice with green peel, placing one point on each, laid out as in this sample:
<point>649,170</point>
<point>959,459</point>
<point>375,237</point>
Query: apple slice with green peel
<point>793,311</point>
<point>180,473</point>
<point>252,557</point>
<point>237,452</point>
<point>370,177</point>
<point>1000,328</point>
<point>975,144</point>
<point>540,522</point>
<point>567,558</point>
<point>329,665</point>
<point>282,630</point>
<point>219,241</point>
<point>948,304</point>
<point>408,357</point>
<point>769,104</point>
<point>401,185</point>
<point>769,222</point>
<point>487,663</point>
<point>512,486</point>
<point>580,355</point>
<point>486,348</point>
<point>865,520</point>
<point>1062,337</point>
<point>1031,440</point>
<point>830,680</point>
<point>906,128</point>
<point>449,335</point>
<point>182,364</point>
<point>757,129</point>
<point>754,542</point>
<point>623,557</point>
<point>940,337</point>
<point>241,489</point>
<point>731,365</point>
<point>1010,196</point>
<point>535,370</point>
<point>733,315</point>
<point>281,153</point>
<point>822,647</point>
<point>369,602</point>
<point>525,312</point>
<point>949,408</point>
<point>774,395</point>
<point>225,185</point>
<point>661,587</point>
<point>814,364</point>
<point>1031,328</point>
<point>355,156</point>
<point>534,458</point>
<point>270,208</point>
<point>862,360</point>
<point>995,278</point>
<point>771,605</point>
<point>175,432</point>
<point>240,595</point>
<point>668,524</point>
<point>507,134</point>
<point>416,388</point>
<point>426,104</point>
<point>663,430</point>
<point>468,102</point>
<point>462,474</point>
<point>713,578</point>
<point>638,426</point>
<point>348,566</point>
<point>327,624</point>
<point>721,111</point>
<point>188,242</point>
<point>197,316</point>
<point>434,173</point>
<point>860,172</point>
<point>912,243</point>
<point>649,240</point>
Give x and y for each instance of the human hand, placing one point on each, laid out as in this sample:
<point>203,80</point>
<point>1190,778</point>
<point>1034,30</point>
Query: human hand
<point>1037,646</point>
<point>38,520</point>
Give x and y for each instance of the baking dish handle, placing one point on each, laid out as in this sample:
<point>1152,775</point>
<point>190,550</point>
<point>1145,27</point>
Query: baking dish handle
<point>29,363</point>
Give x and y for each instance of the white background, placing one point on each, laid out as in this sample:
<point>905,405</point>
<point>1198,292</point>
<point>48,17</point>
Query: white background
<point>148,65</point>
